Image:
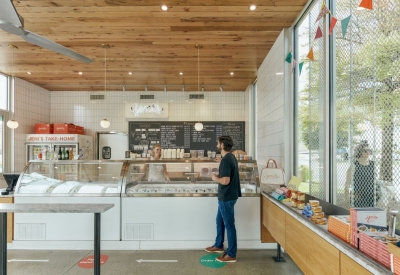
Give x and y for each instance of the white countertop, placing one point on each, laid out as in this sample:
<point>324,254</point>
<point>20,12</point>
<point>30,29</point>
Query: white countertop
<point>54,208</point>
<point>355,254</point>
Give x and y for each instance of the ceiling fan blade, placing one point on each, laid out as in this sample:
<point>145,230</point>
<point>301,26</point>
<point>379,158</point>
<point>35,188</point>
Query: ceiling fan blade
<point>9,13</point>
<point>8,27</point>
<point>53,46</point>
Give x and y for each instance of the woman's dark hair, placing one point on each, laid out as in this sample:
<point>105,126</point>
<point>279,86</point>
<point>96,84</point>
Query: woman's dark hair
<point>227,141</point>
<point>360,148</point>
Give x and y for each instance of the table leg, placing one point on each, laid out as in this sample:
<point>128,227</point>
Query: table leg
<point>3,244</point>
<point>97,243</point>
<point>278,257</point>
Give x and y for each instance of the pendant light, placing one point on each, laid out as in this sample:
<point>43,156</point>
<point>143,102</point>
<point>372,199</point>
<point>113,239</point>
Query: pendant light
<point>198,126</point>
<point>12,124</point>
<point>105,123</point>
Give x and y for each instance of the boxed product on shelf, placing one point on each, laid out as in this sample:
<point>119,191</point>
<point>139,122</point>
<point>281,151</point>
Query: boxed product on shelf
<point>375,248</point>
<point>64,128</point>
<point>340,226</point>
<point>366,220</point>
<point>79,130</point>
<point>395,258</point>
<point>42,128</point>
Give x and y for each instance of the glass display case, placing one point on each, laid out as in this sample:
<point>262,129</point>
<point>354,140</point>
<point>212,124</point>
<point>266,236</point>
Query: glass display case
<point>70,178</point>
<point>191,177</point>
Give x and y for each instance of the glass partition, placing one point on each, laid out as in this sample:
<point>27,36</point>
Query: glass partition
<point>71,177</point>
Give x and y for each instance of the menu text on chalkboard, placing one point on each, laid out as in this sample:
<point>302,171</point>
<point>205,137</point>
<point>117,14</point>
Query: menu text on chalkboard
<point>182,134</point>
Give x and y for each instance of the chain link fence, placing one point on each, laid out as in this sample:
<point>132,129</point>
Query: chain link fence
<point>367,103</point>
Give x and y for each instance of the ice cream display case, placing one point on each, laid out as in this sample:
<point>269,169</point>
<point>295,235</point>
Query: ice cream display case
<point>190,177</point>
<point>71,178</point>
<point>69,181</point>
<point>178,208</point>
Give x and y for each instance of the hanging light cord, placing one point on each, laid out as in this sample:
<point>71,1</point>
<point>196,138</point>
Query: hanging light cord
<point>198,68</point>
<point>105,69</point>
<point>12,66</point>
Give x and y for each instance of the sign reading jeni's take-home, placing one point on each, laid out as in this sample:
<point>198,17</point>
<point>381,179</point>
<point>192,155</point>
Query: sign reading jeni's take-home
<point>182,134</point>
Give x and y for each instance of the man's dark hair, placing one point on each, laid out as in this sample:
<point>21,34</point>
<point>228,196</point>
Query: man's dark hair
<point>227,141</point>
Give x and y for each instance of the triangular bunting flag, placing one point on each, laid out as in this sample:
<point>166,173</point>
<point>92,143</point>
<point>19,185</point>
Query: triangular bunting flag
<point>324,10</point>
<point>289,58</point>
<point>333,24</point>
<point>294,65</point>
<point>310,54</point>
<point>365,4</point>
<point>345,24</point>
<point>301,67</point>
<point>318,34</point>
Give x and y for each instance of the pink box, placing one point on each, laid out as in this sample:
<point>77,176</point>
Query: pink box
<point>44,128</point>
<point>64,128</point>
<point>79,130</point>
<point>375,249</point>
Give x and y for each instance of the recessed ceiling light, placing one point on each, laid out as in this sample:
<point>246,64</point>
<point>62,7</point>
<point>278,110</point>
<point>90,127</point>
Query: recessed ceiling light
<point>181,73</point>
<point>80,73</point>
<point>130,73</point>
<point>28,72</point>
<point>252,7</point>
<point>232,73</point>
<point>164,7</point>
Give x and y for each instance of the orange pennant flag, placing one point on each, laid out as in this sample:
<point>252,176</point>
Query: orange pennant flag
<point>318,34</point>
<point>365,4</point>
<point>310,54</point>
<point>333,24</point>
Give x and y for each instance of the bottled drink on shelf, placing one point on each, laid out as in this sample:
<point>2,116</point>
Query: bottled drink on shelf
<point>48,153</point>
<point>51,154</point>
<point>40,155</point>
<point>59,157</point>
<point>44,154</point>
<point>71,153</point>
<point>63,153</point>
<point>66,154</point>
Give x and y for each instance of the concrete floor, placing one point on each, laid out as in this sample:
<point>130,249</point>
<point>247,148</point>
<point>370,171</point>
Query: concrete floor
<point>124,262</point>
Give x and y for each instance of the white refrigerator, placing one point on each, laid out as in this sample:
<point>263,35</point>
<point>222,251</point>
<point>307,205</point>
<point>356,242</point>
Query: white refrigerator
<point>112,146</point>
<point>82,145</point>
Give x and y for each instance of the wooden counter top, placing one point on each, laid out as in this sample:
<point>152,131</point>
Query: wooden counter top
<point>347,252</point>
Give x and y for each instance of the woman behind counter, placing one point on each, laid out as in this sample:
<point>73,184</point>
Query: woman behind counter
<point>156,171</point>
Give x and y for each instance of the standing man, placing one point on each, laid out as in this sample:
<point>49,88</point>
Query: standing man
<point>228,193</point>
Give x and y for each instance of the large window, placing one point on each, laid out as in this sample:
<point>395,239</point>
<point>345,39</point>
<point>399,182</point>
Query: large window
<point>367,103</point>
<point>310,93</point>
<point>362,106</point>
<point>3,92</point>
<point>3,108</point>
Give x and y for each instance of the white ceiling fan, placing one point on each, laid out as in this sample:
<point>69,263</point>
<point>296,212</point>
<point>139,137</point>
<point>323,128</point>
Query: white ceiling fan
<point>12,22</point>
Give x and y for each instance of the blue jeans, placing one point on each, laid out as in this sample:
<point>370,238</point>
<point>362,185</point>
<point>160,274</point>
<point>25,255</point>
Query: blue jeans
<point>226,220</point>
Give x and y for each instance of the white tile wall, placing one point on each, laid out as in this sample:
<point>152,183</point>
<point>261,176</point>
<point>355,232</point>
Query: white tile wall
<point>77,108</point>
<point>270,106</point>
<point>31,106</point>
<point>248,135</point>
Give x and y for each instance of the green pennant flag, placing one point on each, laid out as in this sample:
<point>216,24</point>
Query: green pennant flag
<point>301,67</point>
<point>345,24</point>
<point>289,58</point>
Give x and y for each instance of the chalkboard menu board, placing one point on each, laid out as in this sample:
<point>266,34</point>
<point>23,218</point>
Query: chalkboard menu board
<point>182,134</point>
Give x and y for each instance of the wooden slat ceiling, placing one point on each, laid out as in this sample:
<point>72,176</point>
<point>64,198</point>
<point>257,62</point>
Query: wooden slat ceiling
<point>154,45</point>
